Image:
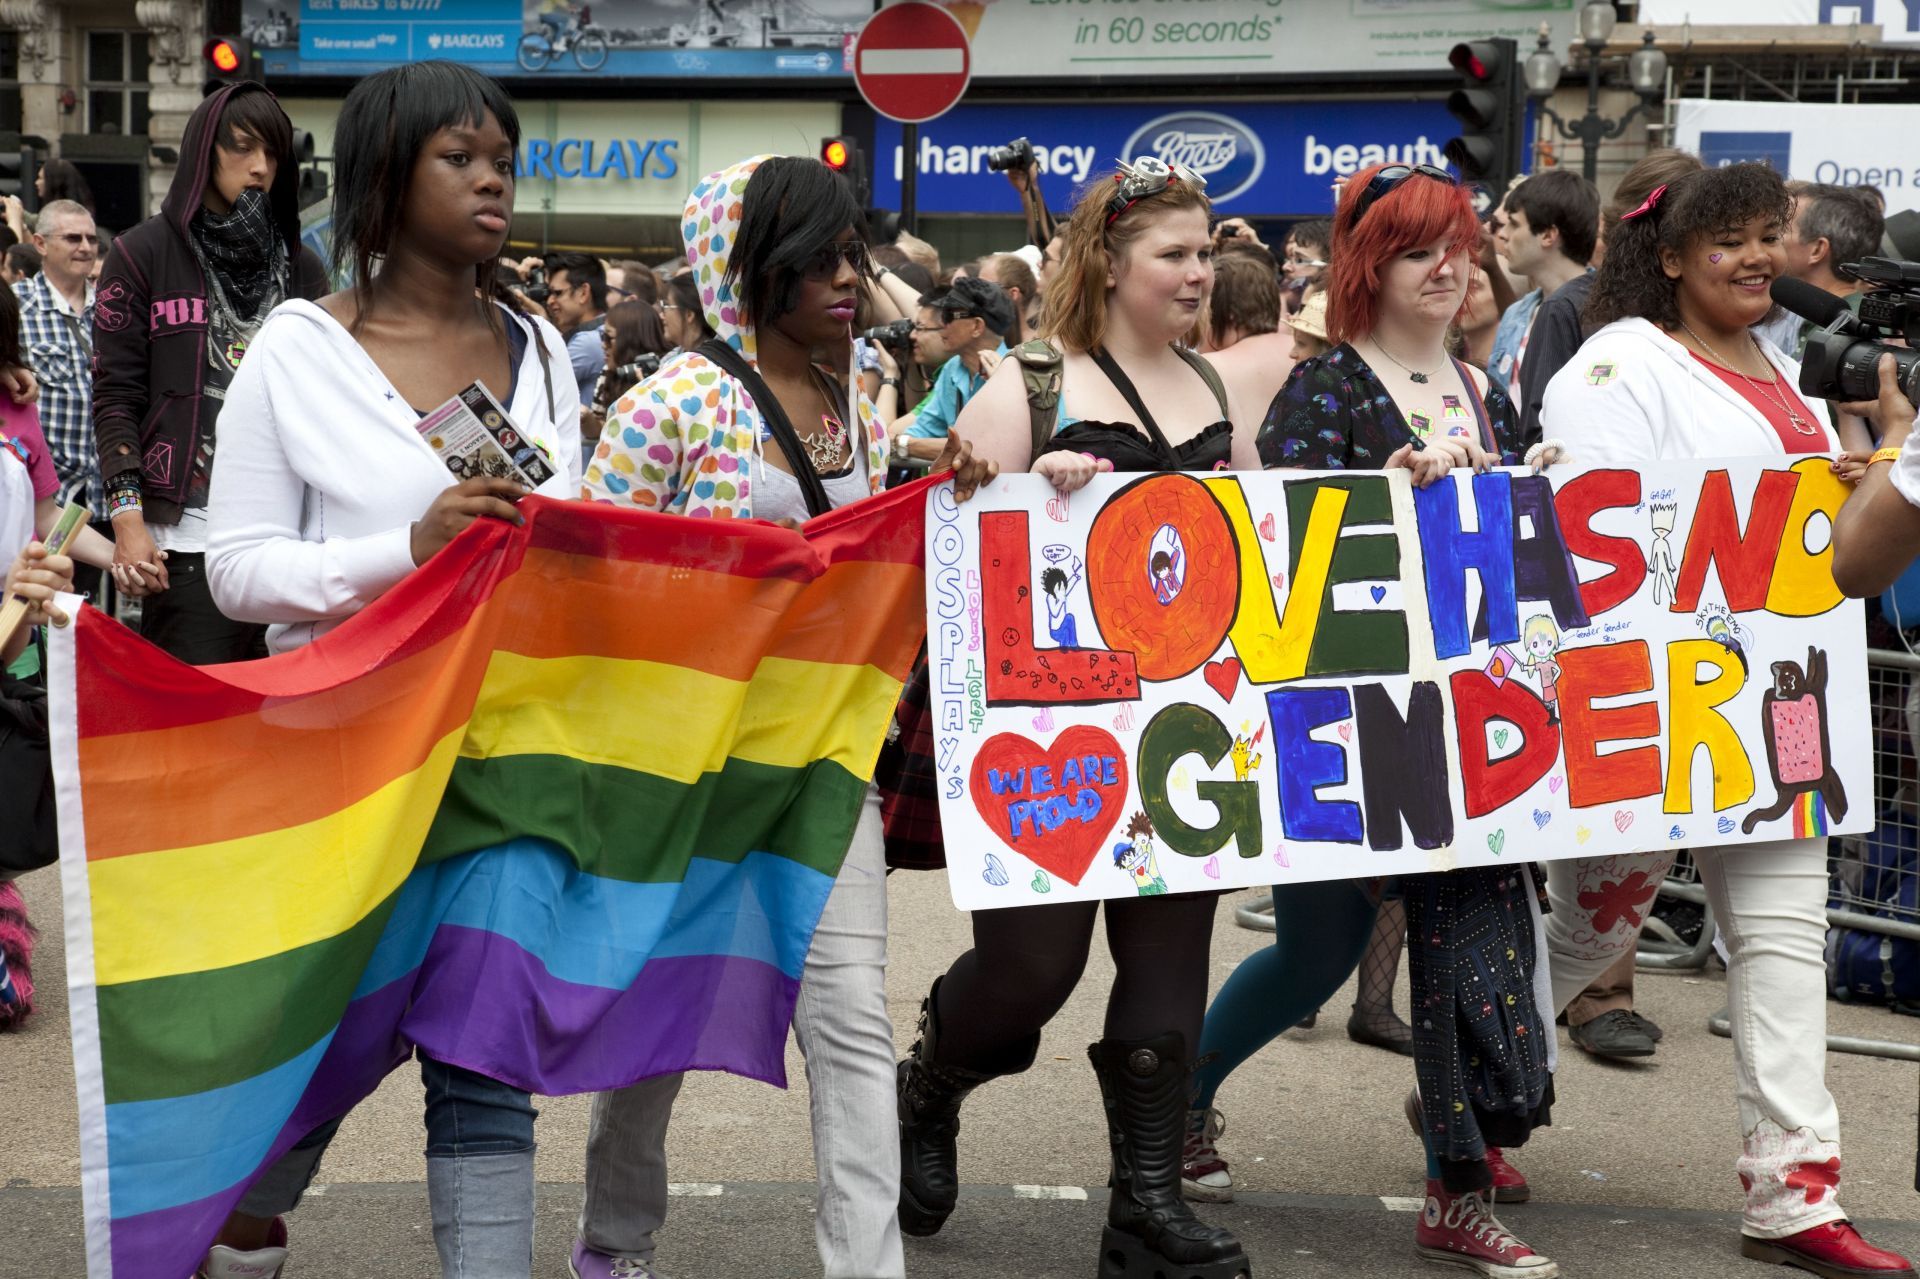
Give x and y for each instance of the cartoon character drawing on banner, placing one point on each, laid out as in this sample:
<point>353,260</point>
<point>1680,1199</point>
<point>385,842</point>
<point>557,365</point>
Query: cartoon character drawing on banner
<point>1166,564</point>
<point>1541,641</point>
<point>1135,856</point>
<point>1793,719</point>
<point>1057,584</point>
<point>1660,559</point>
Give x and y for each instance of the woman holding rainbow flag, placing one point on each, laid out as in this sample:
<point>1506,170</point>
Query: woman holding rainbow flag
<point>324,498</point>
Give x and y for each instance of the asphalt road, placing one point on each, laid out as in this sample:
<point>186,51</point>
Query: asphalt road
<point>1635,1178</point>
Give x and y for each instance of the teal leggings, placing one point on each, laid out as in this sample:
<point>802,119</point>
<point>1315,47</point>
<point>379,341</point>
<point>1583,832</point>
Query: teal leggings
<point>1320,930</point>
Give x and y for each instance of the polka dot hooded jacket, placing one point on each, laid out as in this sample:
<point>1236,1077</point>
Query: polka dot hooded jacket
<point>689,440</point>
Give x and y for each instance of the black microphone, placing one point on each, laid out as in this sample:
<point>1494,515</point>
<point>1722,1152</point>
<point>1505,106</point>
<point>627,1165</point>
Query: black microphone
<point>1808,301</point>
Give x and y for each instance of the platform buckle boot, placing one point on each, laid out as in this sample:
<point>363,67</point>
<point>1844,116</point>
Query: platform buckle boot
<point>930,1096</point>
<point>1150,1232</point>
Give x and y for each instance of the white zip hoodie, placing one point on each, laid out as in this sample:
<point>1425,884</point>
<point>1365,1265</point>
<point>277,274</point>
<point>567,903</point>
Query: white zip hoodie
<point>321,472</point>
<point>1633,395</point>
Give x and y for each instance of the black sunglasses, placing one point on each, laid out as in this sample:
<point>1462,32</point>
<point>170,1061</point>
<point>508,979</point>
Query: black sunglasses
<point>824,264</point>
<point>1383,182</point>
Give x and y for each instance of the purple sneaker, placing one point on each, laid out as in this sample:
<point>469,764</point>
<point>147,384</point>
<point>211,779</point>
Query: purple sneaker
<point>585,1263</point>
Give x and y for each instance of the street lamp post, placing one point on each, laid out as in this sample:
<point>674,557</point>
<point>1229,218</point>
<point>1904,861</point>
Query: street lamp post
<point>1646,71</point>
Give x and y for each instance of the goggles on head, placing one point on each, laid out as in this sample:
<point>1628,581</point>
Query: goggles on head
<point>1383,183</point>
<point>1148,175</point>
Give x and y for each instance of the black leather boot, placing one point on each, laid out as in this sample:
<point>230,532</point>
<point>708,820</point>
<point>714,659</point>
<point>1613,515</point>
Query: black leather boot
<point>930,1097</point>
<point>1151,1233</point>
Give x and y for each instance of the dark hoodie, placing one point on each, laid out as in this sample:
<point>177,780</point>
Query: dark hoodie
<point>150,407</point>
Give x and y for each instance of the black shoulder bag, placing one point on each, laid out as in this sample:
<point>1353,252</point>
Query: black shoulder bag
<point>764,399</point>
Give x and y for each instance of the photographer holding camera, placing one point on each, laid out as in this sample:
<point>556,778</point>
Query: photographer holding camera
<point>1018,162</point>
<point>961,329</point>
<point>1877,533</point>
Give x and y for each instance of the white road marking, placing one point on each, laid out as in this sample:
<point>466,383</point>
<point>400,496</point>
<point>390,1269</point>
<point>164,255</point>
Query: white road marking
<point>695,1189</point>
<point>1398,1203</point>
<point>1049,1192</point>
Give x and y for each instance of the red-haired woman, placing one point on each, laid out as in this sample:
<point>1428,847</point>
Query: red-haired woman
<point>1123,305</point>
<point>1388,395</point>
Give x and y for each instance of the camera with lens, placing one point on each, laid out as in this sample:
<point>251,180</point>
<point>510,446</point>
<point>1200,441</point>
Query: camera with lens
<point>535,286</point>
<point>1842,360</point>
<point>639,369</point>
<point>1017,154</point>
<point>898,335</point>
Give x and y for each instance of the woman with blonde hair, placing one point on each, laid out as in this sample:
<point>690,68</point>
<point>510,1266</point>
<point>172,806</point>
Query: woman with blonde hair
<point>1123,307</point>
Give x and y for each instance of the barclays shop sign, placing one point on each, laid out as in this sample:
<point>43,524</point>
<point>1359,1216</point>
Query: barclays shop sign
<point>602,159</point>
<point>1261,158</point>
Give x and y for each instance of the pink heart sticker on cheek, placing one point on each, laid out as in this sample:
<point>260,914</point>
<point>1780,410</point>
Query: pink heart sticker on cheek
<point>1715,258</point>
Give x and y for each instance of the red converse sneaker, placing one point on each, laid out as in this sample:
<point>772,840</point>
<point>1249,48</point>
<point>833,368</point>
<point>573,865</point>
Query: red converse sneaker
<point>1460,1230</point>
<point>1509,1185</point>
<point>1834,1250</point>
<point>1203,1173</point>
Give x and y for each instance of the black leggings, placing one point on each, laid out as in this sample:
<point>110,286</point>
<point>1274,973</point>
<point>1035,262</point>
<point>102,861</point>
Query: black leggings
<point>1026,961</point>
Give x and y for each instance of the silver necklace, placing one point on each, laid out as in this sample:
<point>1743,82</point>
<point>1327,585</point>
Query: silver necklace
<point>1413,373</point>
<point>1800,424</point>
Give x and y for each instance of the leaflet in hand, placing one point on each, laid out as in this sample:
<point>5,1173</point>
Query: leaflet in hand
<point>473,435</point>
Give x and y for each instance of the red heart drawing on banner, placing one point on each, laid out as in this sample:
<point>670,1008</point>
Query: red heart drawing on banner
<point>1267,529</point>
<point>1223,677</point>
<point>1052,805</point>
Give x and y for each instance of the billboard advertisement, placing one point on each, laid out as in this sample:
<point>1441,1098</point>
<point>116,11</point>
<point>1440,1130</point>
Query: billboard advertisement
<point>714,39</point>
<point>1860,143</point>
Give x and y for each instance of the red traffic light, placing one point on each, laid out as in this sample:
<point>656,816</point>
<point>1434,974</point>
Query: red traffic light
<point>835,153</point>
<point>224,55</point>
<point>1479,59</point>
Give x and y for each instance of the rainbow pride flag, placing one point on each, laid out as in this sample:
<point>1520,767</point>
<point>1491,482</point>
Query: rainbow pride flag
<point>563,807</point>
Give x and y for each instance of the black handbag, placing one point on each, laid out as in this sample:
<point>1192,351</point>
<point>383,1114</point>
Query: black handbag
<point>30,837</point>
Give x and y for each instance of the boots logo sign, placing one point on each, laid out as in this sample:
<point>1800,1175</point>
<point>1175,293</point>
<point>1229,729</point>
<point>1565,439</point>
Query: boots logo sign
<point>1218,147</point>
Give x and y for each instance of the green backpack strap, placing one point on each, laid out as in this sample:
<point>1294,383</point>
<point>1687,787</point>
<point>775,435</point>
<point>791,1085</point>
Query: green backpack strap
<point>1208,374</point>
<point>1040,371</point>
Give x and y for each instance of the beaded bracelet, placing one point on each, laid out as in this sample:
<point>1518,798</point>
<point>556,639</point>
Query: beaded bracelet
<point>126,499</point>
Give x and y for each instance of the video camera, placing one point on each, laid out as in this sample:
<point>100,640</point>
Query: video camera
<point>896,336</point>
<point>1017,154</point>
<point>1842,359</point>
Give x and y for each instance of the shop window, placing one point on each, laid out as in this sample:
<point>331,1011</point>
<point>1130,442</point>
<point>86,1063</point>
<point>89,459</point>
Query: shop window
<point>116,82</point>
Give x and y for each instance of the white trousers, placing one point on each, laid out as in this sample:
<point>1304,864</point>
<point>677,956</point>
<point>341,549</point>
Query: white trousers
<point>1770,902</point>
<point>843,1030</point>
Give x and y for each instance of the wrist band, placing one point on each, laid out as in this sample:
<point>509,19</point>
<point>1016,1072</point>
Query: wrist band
<point>1885,455</point>
<point>123,499</point>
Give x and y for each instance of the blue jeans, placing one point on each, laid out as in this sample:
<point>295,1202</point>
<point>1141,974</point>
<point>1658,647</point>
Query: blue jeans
<point>467,1114</point>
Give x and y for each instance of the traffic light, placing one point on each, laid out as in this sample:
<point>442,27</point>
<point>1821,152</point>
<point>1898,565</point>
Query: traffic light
<point>17,171</point>
<point>843,155</point>
<point>228,59</point>
<point>313,179</point>
<point>1490,105</point>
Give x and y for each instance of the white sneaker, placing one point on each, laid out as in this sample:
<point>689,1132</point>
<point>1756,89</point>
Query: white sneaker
<point>262,1263</point>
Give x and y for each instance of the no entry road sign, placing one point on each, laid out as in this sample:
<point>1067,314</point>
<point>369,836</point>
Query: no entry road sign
<point>912,61</point>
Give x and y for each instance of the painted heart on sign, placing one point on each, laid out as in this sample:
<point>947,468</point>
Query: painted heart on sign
<point>1346,731</point>
<point>1378,592</point>
<point>1223,677</point>
<point>1279,581</point>
<point>1724,825</point>
<point>1212,867</point>
<point>1500,738</point>
<point>1583,834</point>
<point>1554,784</point>
<point>1497,842</point>
<point>1541,817</point>
<point>1052,805</point>
<point>1621,820</point>
<point>1676,834</point>
<point>1266,527</point>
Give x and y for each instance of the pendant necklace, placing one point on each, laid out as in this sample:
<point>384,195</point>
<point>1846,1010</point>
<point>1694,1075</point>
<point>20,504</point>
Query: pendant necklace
<point>827,450</point>
<point>1800,424</point>
<point>1413,373</point>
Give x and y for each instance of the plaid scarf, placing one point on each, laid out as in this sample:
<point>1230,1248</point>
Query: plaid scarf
<point>244,249</point>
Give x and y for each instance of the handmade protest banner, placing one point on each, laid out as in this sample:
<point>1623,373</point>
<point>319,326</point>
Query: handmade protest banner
<point>1180,682</point>
<point>562,807</point>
